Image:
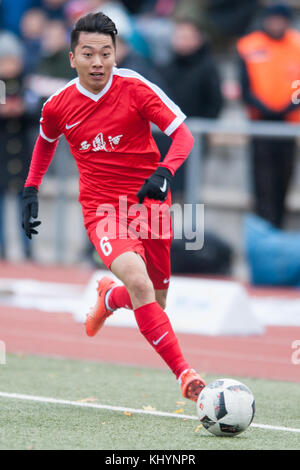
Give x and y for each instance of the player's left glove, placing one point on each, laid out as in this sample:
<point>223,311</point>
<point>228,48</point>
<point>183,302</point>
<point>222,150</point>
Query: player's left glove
<point>30,208</point>
<point>157,186</point>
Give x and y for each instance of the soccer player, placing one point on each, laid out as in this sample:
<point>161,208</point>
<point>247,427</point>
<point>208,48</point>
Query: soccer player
<point>105,115</point>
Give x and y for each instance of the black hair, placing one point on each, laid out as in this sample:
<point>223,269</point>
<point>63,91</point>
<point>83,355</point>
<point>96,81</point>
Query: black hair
<point>93,23</point>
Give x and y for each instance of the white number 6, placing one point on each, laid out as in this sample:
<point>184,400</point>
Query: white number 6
<point>105,246</point>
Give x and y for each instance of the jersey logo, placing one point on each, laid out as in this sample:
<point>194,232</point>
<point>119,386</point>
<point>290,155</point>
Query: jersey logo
<point>72,125</point>
<point>164,186</point>
<point>100,144</point>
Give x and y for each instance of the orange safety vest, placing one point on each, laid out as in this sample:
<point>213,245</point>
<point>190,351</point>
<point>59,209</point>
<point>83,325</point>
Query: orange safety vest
<point>273,67</point>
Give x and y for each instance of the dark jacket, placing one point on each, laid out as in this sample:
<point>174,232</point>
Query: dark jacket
<point>14,143</point>
<point>139,64</point>
<point>194,84</point>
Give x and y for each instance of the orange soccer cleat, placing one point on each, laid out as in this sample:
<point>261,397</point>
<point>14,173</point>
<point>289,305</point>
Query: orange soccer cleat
<point>191,384</point>
<point>99,313</point>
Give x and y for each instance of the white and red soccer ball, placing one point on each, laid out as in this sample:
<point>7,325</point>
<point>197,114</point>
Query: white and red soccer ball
<point>226,407</point>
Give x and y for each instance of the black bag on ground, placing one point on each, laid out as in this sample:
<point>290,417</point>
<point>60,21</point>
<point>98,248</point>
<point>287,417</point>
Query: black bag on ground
<point>214,258</point>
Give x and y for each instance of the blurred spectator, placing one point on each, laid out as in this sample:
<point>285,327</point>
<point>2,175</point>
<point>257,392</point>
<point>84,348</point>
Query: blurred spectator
<point>115,10</point>
<point>138,6</point>
<point>74,9</point>
<point>269,62</point>
<point>230,17</point>
<point>192,75</point>
<point>55,52</point>
<point>55,9</point>
<point>157,29</point>
<point>11,12</point>
<point>32,27</point>
<point>165,7</point>
<point>192,78</point>
<point>14,145</point>
<point>53,70</point>
<point>128,58</point>
<point>222,19</point>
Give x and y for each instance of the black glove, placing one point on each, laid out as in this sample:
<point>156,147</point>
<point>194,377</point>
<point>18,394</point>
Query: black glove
<point>157,186</point>
<point>30,208</point>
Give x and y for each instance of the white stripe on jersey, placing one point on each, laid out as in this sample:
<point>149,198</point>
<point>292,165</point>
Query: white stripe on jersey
<point>45,137</point>
<point>173,126</point>
<point>72,82</point>
<point>162,95</point>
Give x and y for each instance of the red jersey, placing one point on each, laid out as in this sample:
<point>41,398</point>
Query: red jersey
<point>109,134</point>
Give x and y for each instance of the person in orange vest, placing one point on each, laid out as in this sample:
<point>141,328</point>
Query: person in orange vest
<point>269,64</point>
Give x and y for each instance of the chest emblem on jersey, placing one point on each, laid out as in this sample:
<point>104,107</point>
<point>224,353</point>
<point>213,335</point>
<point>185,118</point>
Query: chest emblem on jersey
<point>85,145</point>
<point>114,140</point>
<point>100,144</point>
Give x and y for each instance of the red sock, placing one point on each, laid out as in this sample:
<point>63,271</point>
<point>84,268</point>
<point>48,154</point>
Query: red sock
<point>155,325</point>
<point>119,297</point>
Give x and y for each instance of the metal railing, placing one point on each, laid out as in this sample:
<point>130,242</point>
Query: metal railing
<point>202,127</point>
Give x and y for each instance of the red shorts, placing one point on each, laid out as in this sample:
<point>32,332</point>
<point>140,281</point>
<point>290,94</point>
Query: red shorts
<point>145,230</point>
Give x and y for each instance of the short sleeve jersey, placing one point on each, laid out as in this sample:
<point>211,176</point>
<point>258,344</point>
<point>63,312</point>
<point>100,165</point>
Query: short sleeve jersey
<point>109,134</point>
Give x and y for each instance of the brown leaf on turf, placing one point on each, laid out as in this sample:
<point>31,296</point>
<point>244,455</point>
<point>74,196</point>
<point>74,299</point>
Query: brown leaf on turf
<point>149,408</point>
<point>127,413</point>
<point>87,400</point>
<point>198,428</point>
<point>180,410</point>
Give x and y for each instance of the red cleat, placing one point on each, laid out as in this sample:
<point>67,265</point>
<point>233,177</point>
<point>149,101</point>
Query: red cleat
<point>191,384</point>
<point>99,313</point>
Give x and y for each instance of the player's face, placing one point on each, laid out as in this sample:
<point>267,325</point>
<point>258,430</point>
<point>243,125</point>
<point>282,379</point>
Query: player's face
<point>93,58</point>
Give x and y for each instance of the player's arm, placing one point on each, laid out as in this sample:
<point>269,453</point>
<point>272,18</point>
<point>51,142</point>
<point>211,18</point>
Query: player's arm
<point>43,153</point>
<point>155,106</point>
<point>158,185</point>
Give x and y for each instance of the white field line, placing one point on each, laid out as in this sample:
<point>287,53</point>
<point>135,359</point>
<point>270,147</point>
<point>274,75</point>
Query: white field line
<point>58,401</point>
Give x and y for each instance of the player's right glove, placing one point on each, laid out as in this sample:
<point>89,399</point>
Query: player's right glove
<point>30,208</point>
<point>157,186</point>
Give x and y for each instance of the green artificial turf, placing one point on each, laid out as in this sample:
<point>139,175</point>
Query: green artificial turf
<point>34,425</point>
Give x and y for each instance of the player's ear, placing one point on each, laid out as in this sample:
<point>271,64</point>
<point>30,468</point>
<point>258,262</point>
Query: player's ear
<point>72,62</point>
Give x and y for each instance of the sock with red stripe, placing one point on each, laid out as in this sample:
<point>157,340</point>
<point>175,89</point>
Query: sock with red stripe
<point>118,297</point>
<point>155,325</point>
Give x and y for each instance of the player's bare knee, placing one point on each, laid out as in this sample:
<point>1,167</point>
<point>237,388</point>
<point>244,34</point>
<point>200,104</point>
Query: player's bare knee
<point>139,285</point>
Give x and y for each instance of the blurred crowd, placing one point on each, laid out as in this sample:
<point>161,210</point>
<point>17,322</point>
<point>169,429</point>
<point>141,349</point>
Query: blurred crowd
<point>174,43</point>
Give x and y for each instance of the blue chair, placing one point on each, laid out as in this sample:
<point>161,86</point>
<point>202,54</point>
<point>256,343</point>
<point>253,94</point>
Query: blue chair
<point>273,254</point>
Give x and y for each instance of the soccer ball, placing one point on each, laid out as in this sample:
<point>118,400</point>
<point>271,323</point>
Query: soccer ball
<point>226,407</point>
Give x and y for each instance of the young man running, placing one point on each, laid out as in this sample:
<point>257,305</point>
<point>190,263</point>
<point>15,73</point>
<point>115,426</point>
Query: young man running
<point>105,115</point>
